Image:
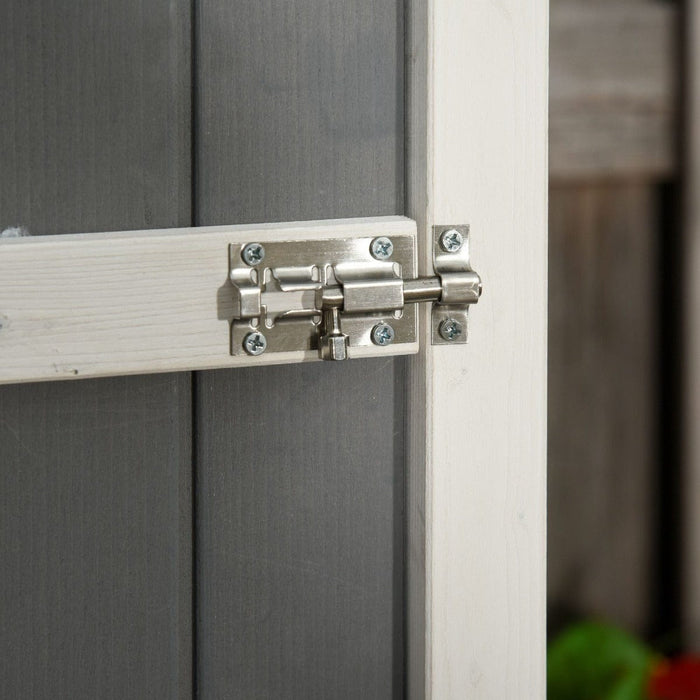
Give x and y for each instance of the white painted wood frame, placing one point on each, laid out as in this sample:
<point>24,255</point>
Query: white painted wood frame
<point>691,383</point>
<point>477,154</point>
<point>104,304</point>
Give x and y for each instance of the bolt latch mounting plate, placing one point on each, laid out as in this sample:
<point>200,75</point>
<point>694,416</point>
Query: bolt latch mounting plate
<point>329,296</point>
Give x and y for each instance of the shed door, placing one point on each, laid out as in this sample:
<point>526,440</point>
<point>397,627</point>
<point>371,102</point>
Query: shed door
<point>362,529</point>
<point>235,531</point>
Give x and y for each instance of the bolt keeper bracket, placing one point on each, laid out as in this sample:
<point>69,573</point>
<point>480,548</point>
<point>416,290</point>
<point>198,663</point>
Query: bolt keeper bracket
<point>461,286</point>
<point>328,296</point>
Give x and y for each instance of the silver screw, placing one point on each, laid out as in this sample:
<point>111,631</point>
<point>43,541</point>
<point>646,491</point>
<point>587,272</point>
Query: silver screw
<point>383,334</point>
<point>451,241</point>
<point>450,329</point>
<point>253,254</point>
<point>381,248</point>
<point>255,343</point>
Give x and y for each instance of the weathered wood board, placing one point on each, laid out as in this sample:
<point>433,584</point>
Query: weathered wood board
<point>613,89</point>
<point>299,469</point>
<point>95,498</point>
<point>691,339</point>
<point>107,304</point>
<point>603,291</point>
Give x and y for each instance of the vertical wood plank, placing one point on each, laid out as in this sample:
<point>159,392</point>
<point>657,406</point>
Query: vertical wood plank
<point>300,469</point>
<point>477,128</point>
<point>300,109</point>
<point>95,135</point>
<point>691,330</point>
<point>95,497</point>
<point>94,538</point>
<point>300,532</point>
<point>602,452</point>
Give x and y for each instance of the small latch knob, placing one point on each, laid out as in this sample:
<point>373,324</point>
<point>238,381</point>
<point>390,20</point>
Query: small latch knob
<point>332,343</point>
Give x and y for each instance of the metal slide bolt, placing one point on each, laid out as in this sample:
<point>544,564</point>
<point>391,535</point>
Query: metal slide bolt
<point>255,343</point>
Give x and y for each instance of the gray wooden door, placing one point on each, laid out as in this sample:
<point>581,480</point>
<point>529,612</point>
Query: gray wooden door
<point>234,533</point>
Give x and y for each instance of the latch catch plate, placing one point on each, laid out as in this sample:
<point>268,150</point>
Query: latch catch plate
<point>461,286</point>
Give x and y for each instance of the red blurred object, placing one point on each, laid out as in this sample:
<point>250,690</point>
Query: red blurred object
<point>678,679</point>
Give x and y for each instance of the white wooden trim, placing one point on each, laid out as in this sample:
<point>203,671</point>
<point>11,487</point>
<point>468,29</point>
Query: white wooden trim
<point>91,305</point>
<point>477,154</point>
<point>691,384</point>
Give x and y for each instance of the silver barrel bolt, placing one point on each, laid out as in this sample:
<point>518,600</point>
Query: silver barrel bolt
<point>333,294</point>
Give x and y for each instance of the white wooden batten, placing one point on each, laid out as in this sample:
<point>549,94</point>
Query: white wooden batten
<point>477,154</point>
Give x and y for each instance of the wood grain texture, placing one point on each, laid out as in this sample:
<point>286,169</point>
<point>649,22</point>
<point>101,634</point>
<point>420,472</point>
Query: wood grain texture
<point>95,498</point>
<point>96,134</point>
<point>613,89</point>
<point>300,468</point>
<point>604,286</point>
<point>300,532</point>
<point>94,537</point>
<point>477,130</point>
<point>691,329</point>
<point>149,301</point>
<point>301,110</point>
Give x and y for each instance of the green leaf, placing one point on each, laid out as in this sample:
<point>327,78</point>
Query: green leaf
<point>595,661</point>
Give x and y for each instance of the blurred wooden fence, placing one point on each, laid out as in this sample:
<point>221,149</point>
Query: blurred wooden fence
<point>614,116</point>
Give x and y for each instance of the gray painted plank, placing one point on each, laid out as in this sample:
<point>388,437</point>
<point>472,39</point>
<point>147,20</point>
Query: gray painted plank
<point>94,532</point>
<point>299,469</point>
<point>96,134</point>
<point>300,109</point>
<point>95,476</point>
<point>299,513</point>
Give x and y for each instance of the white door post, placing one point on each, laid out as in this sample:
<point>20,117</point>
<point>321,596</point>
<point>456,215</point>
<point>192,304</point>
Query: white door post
<point>477,134</point>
